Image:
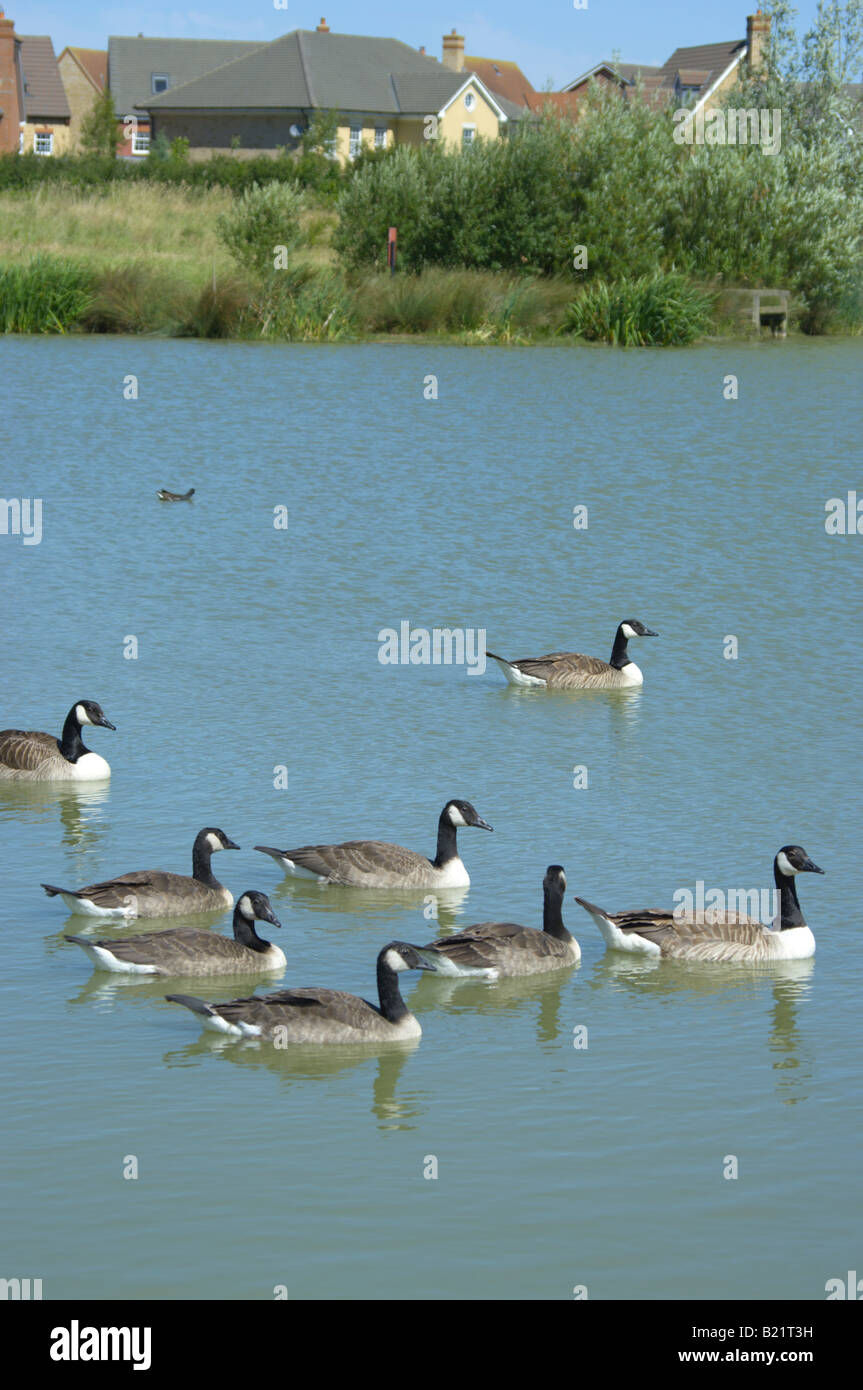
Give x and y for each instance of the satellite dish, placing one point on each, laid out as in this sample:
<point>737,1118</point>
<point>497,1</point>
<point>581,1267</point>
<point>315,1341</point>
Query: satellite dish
<point>295,132</point>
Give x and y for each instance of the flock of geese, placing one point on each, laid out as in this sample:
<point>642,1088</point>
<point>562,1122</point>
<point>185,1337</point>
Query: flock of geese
<point>487,950</point>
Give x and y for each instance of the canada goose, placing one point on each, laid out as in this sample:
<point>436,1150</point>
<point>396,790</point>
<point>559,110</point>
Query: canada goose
<point>193,950</point>
<point>154,893</point>
<point>714,935</point>
<point>572,671</point>
<point>165,496</point>
<point>320,1015</point>
<point>36,757</point>
<point>375,864</point>
<point>495,949</point>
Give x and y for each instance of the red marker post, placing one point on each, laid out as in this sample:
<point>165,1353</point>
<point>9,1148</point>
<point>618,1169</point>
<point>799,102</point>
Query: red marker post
<point>391,250</point>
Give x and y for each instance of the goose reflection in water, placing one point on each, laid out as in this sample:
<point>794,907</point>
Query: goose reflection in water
<point>78,807</point>
<point>303,1064</point>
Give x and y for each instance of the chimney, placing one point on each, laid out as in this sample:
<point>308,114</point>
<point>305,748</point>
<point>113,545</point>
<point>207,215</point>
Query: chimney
<point>758,41</point>
<point>323,27</point>
<point>422,49</point>
<point>10,103</point>
<point>453,51</point>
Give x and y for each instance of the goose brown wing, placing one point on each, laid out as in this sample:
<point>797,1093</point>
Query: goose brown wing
<point>668,929</point>
<point>356,857</point>
<point>479,946</point>
<point>270,1010</point>
<point>184,946</point>
<point>115,892</point>
<point>562,664</point>
<point>26,752</point>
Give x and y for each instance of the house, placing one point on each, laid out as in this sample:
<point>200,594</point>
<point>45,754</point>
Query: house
<point>384,92</point>
<point>505,80</point>
<point>84,74</point>
<point>141,68</point>
<point>698,76</point>
<point>34,112</point>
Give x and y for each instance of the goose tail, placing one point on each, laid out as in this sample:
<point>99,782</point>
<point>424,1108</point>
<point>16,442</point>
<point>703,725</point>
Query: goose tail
<point>602,919</point>
<point>54,892</point>
<point>198,1006</point>
<point>513,675</point>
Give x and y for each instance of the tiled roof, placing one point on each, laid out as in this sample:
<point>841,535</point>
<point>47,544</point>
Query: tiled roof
<point>336,72</point>
<point>132,62</point>
<point>44,93</point>
<point>564,103</point>
<point>423,93</point>
<point>502,78</point>
<point>94,61</point>
<point>630,72</point>
<point>692,77</point>
<point>711,59</point>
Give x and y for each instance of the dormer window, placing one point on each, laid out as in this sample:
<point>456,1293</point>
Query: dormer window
<point>159,82</point>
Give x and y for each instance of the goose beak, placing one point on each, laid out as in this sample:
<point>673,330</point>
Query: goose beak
<point>481,824</point>
<point>106,724</point>
<point>270,917</point>
<point>808,867</point>
<point>648,632</point>
<point>230,845</point>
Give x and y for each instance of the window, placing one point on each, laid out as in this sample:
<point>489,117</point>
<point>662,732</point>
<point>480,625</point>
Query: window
<point>469,101</point>
<point>43,142</point>
<point>380,137</point>
<point>160,82</point>
<point>141,142</point>
<point>468,134</point>
<point>355,142</point>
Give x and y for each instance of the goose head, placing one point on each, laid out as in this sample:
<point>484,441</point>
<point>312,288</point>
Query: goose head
<point>631,627</point>
<point>460,813</point>
<point>89,712</point>
<point>400,955</point>
<point>792,860</point>
<point>256,907</point>
<point>554,883</point>
<point>211,839</point>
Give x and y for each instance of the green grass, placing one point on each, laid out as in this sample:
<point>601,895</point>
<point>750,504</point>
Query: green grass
<point>661,309</point>
<point>475,304</point>
<point>44,296</point>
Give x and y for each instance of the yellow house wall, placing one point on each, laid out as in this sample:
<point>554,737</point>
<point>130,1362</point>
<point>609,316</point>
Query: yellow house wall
<point>61,135</point>
<point>80,94</point>
<point>717,97</point>
<point>455,117</point>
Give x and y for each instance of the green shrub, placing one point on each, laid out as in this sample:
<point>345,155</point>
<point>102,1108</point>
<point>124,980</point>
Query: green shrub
<point>304,304</point>
<point>135,299</point>
<point>661,309</point>
<point>47,295</point>
<point>261,220</point>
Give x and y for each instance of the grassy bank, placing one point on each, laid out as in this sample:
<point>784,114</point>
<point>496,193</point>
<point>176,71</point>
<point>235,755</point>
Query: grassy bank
<point>151,259</point>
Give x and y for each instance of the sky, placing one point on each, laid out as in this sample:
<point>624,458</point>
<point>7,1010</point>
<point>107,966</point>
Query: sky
<point>549,39</point>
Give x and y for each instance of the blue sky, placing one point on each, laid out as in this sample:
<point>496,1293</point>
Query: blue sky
<point>547,38</point>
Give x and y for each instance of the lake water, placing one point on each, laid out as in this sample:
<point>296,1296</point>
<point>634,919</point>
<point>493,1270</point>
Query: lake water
<point>558,1166</point>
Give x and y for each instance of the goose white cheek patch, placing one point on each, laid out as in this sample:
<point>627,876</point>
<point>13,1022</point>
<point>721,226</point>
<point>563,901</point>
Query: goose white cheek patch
<point>81,715</point>
<point>245,906</point>
<point>628,631</point>
<point>214,842</point>
<point>456,817</point>
<point>785,866</point>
